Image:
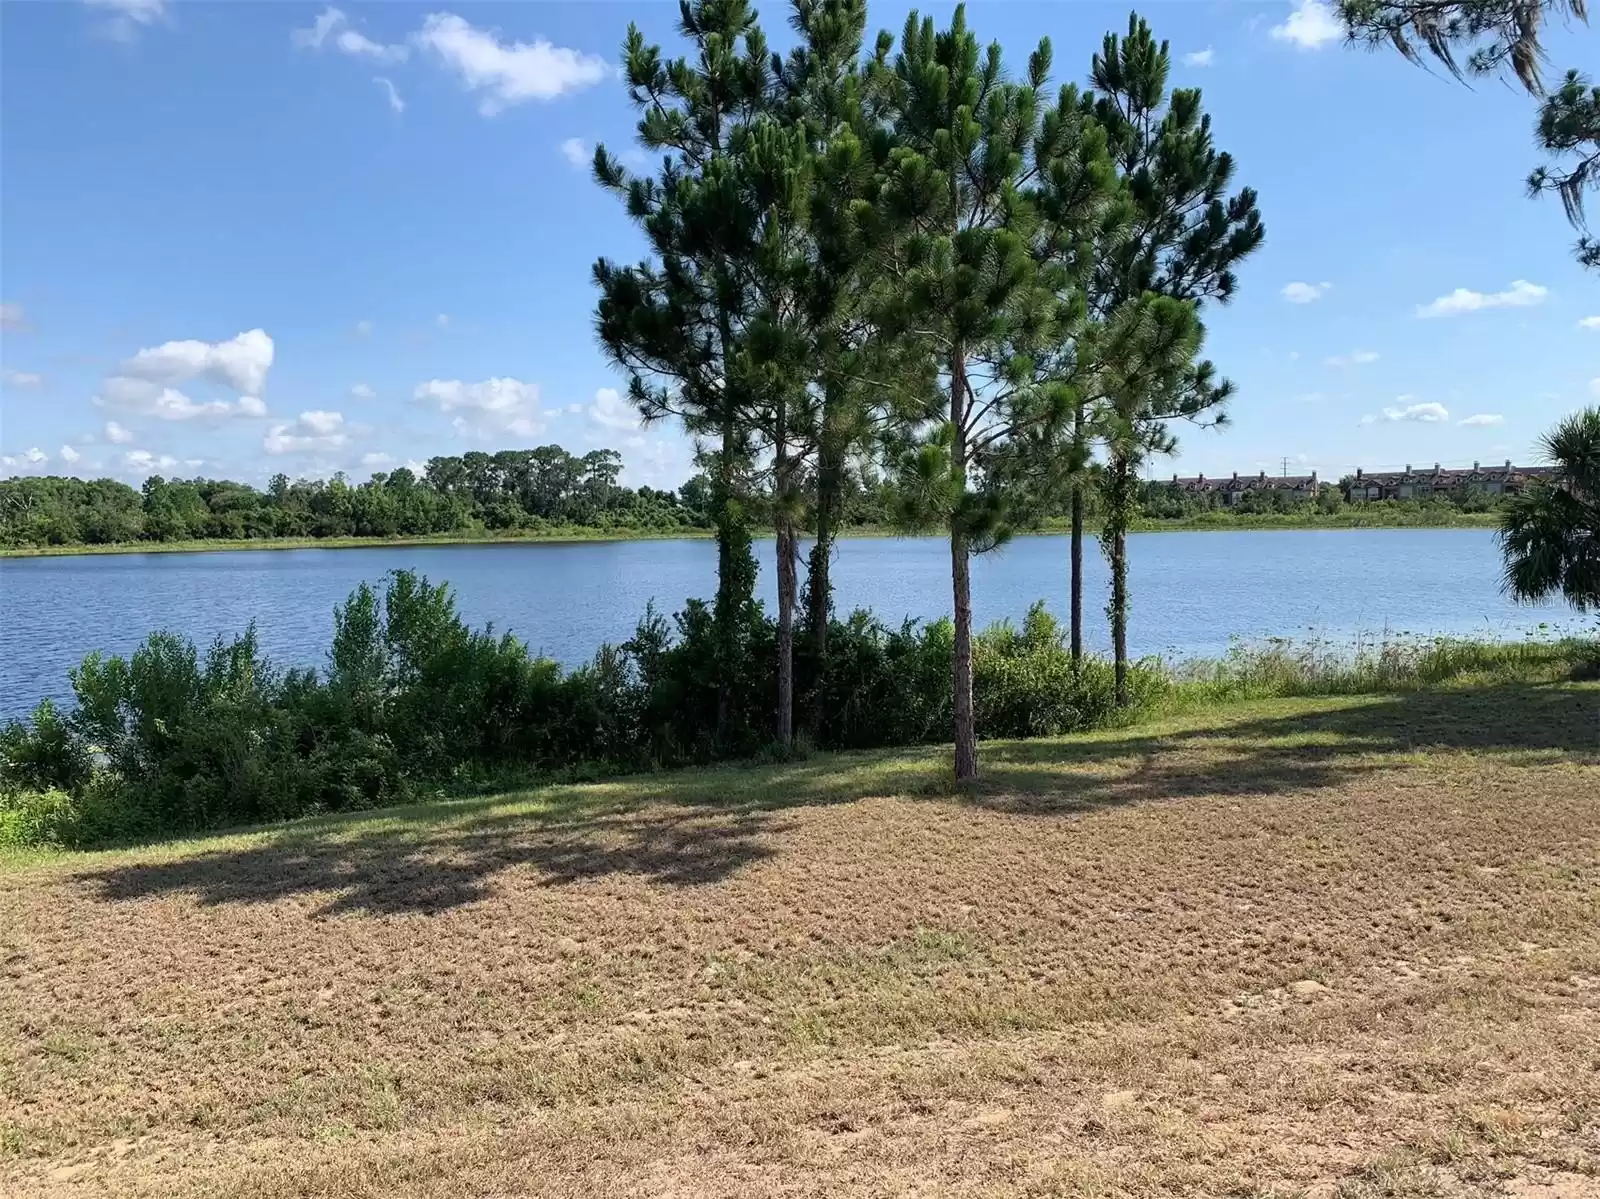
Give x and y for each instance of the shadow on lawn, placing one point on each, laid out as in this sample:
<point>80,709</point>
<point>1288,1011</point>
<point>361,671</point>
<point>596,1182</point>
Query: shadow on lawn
<point>701,827</point>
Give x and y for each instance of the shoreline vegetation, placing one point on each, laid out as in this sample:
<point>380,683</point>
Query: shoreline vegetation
<point>413,705</point>
<point>1211,522</point>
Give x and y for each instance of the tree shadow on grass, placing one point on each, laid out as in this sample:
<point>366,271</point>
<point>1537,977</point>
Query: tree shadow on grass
<point>698,828</point>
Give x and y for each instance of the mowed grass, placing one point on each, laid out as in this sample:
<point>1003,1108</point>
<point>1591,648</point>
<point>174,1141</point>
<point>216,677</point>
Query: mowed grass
<point>1332,947</point>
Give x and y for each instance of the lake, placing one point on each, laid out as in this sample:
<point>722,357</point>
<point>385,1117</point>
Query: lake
<point>1192,592</point>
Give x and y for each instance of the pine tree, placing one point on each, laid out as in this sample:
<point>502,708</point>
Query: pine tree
<point>1187,236</point>
<point>677,323</point>
<point>964,288</point>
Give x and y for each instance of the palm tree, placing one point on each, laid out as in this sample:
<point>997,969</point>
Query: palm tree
<point>1550,534</point>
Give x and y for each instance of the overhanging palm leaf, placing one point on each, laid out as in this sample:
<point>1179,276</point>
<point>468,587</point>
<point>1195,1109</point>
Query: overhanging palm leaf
<point>1550,534</point>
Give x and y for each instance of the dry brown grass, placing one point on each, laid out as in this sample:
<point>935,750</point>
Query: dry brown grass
<point>1325,948</point>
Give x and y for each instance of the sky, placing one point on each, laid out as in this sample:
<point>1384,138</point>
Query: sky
<point>244,238</point>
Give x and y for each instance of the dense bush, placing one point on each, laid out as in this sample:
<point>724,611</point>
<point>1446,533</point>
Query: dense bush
<point>412,702</point>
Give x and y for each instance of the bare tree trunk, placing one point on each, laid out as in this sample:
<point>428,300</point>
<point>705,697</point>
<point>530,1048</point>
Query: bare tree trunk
<point>966,731</point>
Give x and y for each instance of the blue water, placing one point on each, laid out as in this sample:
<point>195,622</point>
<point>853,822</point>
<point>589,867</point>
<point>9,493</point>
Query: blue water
<point>1192,592</point>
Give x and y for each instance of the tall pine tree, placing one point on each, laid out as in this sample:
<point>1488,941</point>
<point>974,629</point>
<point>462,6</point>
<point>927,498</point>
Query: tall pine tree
<point>964,288</point>
<point>678,322</point>
<point>1187,235</point>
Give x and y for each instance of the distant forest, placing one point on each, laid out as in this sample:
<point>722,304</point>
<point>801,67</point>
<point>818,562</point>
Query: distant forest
<point>509,493</point>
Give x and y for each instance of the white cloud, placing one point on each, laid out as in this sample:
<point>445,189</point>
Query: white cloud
<point>1304,293</point>
<point>1354,358</point>
<point>1590,322</point>
<point>1429,413</point>
<point>144,460</point>
<point>128,16</point>
<point>1521,294</point>
<point>507,73</point>
<point>576,151</point>
<point>610,411</point>
<point>1200,58</point>
<point>12,316</point>
<point>332,28</point>
<point>362,391</point>
<point>69,455</point>
<point>167,403</point>
<point>22,378</point>
<point>314,430</point>
<point>1310,26</point>
<point>376,459</point>
<point>116,434</point>
<point>36,457</point>
<point>242,362</point>
<point>502,405</point>
<point>1482,418</point>
<point>363,328</point>
<point>1294,355</point>
<point>396,104</point>
<point>442,320</point>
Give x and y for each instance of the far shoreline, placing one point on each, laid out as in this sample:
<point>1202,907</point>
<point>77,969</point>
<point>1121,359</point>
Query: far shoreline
<point>598,536</point>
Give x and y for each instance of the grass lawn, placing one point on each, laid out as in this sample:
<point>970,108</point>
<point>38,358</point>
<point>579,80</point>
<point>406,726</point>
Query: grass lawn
<point>1338,947</point>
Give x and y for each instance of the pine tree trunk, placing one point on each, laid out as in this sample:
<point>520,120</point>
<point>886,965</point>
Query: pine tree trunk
<point>1119,614</point>
<point>966,731</point>
<point>783,526</point>
<point>1076,581</point>
<point>1114,540</point>
<point>818,580</point>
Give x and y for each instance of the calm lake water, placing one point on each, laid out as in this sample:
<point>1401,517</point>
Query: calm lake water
<point>1192,592</point>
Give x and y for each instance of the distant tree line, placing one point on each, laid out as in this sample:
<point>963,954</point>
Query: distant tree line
<point>508,491</point>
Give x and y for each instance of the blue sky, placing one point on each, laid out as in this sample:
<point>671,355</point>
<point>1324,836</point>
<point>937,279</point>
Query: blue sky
<point>250,237</point>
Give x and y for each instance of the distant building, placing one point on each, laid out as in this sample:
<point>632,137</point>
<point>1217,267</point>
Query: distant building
<point>1229,491</point>
<point>1411,484</point>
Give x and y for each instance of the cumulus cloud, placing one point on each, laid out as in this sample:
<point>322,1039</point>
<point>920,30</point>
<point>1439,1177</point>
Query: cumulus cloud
<point>241,362</point>
<point>1521,294</point>
<point>1353,358</point>
<point>116,434</point>
<point>127,17</point>
<point>576,151</point>
<point>501,405</point>
<point>69,455</point>
<point>1590,322</point>
<point>168,403</point>
<point>442,320</point>
<point>310,431</point>
<point>1304,293</point>
<point>1482,418</point>
<point>396,104</point>
<point>1310,26</point>
<point>376,458</point>
<point>610,411</point>
<point>145,461</point>
<point>1428,414</point>
<point>332,29</point>
<point>362,391</point>
<point>1199,58</point>
<point>22,378</point>
<point>507,73</point>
